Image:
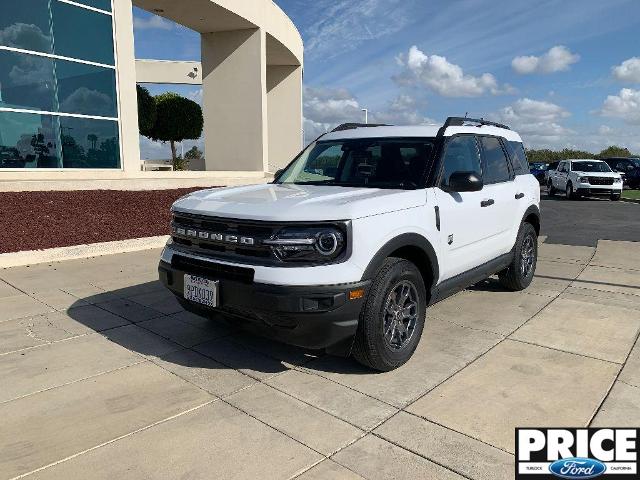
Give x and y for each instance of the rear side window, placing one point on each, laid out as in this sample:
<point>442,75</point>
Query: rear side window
<point>518,158</point>
<point>496,166</point>
<point>461,155</point>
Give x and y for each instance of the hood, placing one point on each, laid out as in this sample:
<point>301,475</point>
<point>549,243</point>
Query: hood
<point>598,174</point>
<point>275,202</point>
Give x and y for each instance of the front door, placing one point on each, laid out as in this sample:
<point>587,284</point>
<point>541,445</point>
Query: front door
<point>465,227</point>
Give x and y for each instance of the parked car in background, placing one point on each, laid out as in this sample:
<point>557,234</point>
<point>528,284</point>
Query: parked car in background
<point>551,167</point>
<point>585,177</point>
<point>628,168</point>
<point>538,170</point>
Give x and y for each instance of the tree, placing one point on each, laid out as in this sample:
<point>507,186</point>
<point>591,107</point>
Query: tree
<point>614,151</point>
<point>147,111</point>
<point>193,154</point>
<point>93,139</point>
<point>177,119</point>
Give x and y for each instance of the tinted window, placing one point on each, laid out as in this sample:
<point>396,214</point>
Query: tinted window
<point>89,143</point>
<point>29,140</point>
<point>461,155</point>
<point>86,89</point>
<point>101,4</point>
<point>590,167</point>
<point>81,33</point>
<point>495,168</point>
<point>26,81</point>
<point>518,158</point>
<point>25,24</point>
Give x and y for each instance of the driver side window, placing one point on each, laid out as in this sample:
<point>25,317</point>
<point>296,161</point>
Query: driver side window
<point>461,155</point>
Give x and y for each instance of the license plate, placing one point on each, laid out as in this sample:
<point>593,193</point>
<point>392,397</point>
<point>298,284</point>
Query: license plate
<point>201,290</point>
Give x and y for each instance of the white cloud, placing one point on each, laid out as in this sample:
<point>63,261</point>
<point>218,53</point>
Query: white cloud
<point>196,96</point>
<point>443,77</point>
<point>325,108</point>
<point>628,71</point>
<point>153,22</point>
<point>537,121</point>
<point>557,59</point>
<point>342,25</point>
<point>625,105</point>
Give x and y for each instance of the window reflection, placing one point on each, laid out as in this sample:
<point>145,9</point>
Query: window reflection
<point>26,81</point>
<point>86,89</point>
<point>25,24</point>
<point>89,143</point>
<point>29,141</point>
<point>101,4</point>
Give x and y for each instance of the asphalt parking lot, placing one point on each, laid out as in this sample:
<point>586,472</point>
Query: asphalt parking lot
<point>104,376</point>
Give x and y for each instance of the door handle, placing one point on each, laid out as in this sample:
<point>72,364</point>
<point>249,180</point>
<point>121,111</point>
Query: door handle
<point>487,203</point>
<point>519,196</point>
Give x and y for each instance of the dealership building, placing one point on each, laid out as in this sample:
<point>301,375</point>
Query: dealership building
<point>68,102</point>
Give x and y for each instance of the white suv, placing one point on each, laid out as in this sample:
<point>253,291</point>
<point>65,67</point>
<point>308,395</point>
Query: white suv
<point>585,177</point>
<point>354,239</point>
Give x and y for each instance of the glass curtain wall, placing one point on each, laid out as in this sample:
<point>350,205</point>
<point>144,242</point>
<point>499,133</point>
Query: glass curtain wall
<point>58,97</point>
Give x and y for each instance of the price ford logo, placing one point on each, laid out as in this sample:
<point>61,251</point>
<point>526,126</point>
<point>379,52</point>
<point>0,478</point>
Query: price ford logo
<point>577,468</point>
<point>577,453</point>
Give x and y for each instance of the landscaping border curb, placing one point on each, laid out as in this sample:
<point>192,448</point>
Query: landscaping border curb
<point>33,257</point>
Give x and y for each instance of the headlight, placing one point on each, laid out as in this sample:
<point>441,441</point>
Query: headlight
<point>617,180</point>
<point>308,244</point>
<point>583,179</point>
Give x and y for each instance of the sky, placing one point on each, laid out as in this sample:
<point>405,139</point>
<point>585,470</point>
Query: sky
<point>563,73</point>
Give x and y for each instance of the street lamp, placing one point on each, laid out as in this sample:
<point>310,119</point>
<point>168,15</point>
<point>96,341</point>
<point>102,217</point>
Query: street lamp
<point>366,116</point>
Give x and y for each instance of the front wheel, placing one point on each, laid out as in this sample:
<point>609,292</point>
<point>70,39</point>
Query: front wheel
<point>569,192</point>
<point>392,318</point>
<point>551,189</point>
<point>520,273</point>
<point>615,197</point>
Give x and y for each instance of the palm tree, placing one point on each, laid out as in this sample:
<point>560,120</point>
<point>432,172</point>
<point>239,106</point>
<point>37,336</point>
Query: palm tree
<point>93,139</point>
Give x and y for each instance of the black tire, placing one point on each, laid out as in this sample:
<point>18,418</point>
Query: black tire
<point>518,276</point>
<point>551,190</point>
<point>569,191</point>
<point>615,197</point>
<point>371,347</point>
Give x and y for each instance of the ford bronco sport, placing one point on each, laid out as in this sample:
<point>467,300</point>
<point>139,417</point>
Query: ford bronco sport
<point>358,235</point>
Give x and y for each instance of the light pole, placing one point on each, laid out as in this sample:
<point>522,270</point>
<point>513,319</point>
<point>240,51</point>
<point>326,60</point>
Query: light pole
<point>366,116</point>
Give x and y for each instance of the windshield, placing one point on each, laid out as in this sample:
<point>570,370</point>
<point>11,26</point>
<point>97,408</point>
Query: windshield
<point>539,166</point>
<point>373,163</point>
<point>590,167</point>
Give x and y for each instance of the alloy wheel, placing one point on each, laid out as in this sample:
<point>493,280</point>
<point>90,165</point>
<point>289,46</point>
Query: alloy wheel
<point>527,256</point>
<point>400,315</point>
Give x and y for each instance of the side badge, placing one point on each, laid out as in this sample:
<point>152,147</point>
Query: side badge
<point>450,241</point>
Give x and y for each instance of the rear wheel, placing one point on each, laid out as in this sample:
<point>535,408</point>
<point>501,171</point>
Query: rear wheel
<point>615,197</point>
<point>392,318</point>
<point>520,273</point>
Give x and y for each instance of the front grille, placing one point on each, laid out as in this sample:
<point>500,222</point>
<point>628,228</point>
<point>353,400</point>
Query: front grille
<point>600,180</point>
<point>223,238</point>
<point>210,269</point>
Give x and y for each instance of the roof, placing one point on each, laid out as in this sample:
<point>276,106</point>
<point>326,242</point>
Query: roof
<point>422,131</point>
<point>583,160</point>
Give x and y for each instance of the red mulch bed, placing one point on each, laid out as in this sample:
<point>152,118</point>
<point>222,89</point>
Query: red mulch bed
<point>37,220</point>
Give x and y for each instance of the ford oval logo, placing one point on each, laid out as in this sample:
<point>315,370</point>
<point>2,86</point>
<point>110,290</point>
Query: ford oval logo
<point>577,468</point>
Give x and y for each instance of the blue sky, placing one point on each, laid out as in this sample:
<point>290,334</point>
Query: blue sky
<point>563,73</point>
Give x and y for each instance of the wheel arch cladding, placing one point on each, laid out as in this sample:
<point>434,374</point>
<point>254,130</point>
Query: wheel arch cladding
<point>532,216</point>
<point>412,247</point>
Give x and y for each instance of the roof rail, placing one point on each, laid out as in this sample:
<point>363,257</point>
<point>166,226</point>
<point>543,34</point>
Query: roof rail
<point>352,126</point>
<point>460,121</point>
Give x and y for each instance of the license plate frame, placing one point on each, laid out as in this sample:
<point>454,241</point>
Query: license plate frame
<point>203,291</point>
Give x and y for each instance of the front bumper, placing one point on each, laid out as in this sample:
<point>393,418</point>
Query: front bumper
<point>314,317</point>
<point>585,189</point>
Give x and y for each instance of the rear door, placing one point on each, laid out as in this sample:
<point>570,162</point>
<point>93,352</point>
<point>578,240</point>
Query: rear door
<point>465,227</point>
<point>500,194</point>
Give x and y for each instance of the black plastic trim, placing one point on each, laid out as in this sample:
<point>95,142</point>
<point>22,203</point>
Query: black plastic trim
<point>404,240</point>
<point>458,283</point>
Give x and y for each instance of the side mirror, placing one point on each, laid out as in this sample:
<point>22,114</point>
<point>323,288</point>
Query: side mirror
<point>278,173</point>
<point>465,182</point>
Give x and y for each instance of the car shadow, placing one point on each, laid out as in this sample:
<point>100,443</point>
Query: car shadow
<point>147,319</point>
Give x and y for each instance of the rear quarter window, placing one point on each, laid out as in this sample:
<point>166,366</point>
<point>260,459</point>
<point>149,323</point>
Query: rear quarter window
<point>518,158</point>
